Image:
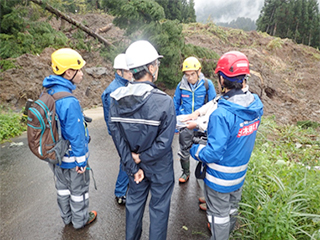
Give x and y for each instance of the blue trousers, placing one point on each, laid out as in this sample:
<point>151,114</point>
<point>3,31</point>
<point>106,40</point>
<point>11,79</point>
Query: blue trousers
<point>159,206</point>
<point>122,183</point>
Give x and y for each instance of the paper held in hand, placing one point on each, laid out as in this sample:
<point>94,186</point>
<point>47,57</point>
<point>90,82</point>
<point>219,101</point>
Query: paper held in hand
<point>181,124</point>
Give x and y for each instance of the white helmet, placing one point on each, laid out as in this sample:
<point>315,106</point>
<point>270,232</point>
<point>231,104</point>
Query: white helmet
<point>120,62</point>
<point>140,53</point>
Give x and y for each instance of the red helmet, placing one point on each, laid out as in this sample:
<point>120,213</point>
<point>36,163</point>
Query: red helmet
<point>233,64</point>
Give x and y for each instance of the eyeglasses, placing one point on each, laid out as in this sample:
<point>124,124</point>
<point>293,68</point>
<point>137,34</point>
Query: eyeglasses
<point>190,75</point>
<point>158,62</point>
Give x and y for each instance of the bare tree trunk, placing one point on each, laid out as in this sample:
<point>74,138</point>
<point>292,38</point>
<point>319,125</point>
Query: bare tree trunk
<point>274,30</point>
<point>72,21</point>
<point>106,28</point>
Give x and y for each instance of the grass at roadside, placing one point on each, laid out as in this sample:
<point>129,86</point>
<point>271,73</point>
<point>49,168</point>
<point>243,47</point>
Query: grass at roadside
<point>281,195</point>
<point>10,124</point>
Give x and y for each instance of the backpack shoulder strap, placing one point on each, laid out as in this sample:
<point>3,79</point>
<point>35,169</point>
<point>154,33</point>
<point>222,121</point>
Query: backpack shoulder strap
<point>60,95</point>
<point>206,84</point>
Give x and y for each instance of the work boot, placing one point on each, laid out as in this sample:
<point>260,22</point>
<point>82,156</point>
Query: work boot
<point>185,165</point>
<point>121,200</point>
<point>203,206</point>
<point>92,217</point>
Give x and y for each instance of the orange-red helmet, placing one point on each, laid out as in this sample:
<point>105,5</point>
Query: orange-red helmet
<point>233,64</point>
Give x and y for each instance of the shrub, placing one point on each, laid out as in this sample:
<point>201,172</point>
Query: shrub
<point>281,196</point>
<point>10,125</point>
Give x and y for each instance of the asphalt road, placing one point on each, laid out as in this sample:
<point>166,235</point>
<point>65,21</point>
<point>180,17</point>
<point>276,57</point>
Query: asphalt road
<point>28,196</point>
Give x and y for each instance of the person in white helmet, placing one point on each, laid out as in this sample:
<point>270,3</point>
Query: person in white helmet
<point>122,77</point>
<point>142,121</point>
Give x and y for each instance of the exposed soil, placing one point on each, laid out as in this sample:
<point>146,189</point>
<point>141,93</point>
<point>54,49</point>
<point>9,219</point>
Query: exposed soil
<point>284,74</point>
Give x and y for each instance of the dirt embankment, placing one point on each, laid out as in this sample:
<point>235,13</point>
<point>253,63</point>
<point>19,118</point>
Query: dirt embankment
<point>284,74</point>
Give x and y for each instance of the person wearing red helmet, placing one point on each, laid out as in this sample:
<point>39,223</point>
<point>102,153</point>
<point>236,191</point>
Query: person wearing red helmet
<point>231,134</point>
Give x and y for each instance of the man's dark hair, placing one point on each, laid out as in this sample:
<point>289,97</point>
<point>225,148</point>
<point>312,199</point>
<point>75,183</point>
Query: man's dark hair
<point>143,72</point>
<point>233,85</point>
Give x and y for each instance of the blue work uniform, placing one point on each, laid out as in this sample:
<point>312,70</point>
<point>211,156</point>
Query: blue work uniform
<point>122,179</point>
<point>231,132</point>
<point>72,187</point>
<point>188,98</point>
<point>142,120</point>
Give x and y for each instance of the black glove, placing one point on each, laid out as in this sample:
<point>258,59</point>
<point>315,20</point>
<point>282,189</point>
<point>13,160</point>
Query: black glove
<point>200,140</point>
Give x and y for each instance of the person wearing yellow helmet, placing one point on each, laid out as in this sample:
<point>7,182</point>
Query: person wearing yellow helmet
<point>71,178</point>
<point>193,91</point>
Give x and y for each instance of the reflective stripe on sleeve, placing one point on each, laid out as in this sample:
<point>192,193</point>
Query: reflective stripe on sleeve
<point>81,159</point>
<point>79,198</point>
<point>73,159</point>
<point>198,150</point>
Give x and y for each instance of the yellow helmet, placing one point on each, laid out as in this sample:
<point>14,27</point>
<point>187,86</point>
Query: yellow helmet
<point>64,59</point>
<point>191,63</point>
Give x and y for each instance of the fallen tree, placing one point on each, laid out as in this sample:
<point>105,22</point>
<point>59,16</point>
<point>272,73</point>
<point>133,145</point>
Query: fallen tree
<point>71,21</point>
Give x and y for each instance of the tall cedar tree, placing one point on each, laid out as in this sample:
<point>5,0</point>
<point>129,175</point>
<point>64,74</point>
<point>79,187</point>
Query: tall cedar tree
<point>295,19</point>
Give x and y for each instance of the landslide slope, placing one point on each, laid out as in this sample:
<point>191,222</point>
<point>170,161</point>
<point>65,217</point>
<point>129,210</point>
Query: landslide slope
<point>284,74</point>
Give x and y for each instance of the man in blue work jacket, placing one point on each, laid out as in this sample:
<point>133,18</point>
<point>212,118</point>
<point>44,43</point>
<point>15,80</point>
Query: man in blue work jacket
<point>142,121</point>
<point>231,132</point>
<point>122,77</point>
<point>192,92</point>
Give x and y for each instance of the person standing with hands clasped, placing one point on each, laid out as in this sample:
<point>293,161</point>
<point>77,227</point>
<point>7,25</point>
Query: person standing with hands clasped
<point>232,130</point>
<point>122,77</point>
<point>192,92</point>
<point>142,121</point>
<point>71,178</point>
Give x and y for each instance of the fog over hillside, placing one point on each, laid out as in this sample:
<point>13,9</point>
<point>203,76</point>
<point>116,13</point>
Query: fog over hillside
<point>228,10</point>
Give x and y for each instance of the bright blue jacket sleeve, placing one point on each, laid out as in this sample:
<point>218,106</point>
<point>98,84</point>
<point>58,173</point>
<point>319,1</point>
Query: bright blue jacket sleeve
<point>74,129</point>
<point>211,91</point>
<point>105,98</point>
<point>177,99</point>
<point>216,144</point>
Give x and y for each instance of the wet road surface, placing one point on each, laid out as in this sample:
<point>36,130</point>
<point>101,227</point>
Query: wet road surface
<point>29,208</point>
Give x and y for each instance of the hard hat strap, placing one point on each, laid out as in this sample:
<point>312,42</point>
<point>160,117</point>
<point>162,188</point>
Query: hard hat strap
<point>71,80</point>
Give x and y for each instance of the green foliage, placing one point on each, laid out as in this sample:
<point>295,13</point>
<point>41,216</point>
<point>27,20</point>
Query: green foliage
<point>38,36</point>
<point>180,10</point>
<point>6,64</point>
<point>308,124</point>
<point>281,195</point>
<point>207,57</point>
<point>165,35</point>
<point>10,125</point>
<point>274,44</point>
<point>13,22</point>
<point>20,35</point>
<point>167,38</point>
<point>136,14</point>
<point>240,23</point>
<point>298,20</point>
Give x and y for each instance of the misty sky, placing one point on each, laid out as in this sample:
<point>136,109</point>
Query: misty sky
<point>238,8</point>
